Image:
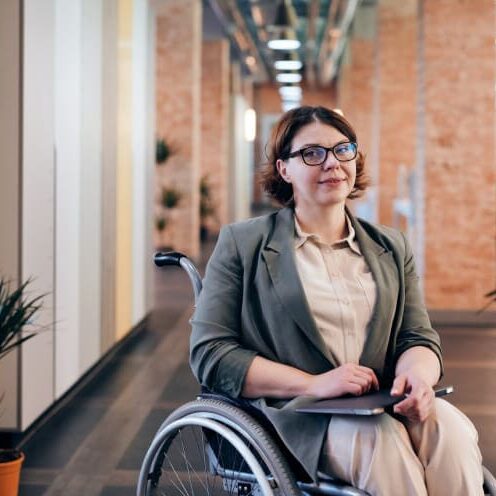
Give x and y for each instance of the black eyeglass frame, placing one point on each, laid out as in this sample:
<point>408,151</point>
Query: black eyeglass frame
<point>301,151</point>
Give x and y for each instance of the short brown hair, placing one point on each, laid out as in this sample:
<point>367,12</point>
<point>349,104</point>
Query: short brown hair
<point>279,147</point>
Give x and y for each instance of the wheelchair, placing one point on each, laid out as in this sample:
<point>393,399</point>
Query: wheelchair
<point>216,445</point>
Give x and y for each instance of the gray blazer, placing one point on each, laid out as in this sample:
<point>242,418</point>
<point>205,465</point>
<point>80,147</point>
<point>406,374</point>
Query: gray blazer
<point>253,303</point>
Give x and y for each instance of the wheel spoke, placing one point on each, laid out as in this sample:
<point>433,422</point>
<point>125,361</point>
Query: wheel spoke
<point>188,466</point>
<point>177,476</point>
<point>202,459</point>
<point>187,463</point>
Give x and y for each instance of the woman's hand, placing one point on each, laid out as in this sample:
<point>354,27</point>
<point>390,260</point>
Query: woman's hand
<point>349,378</point>
<point>419,403</point>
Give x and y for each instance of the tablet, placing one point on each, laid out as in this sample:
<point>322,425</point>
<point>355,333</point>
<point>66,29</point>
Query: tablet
<point>368,404</point>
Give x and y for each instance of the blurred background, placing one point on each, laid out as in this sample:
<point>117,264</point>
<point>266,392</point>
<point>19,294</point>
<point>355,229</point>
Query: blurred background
<point>132,125</point>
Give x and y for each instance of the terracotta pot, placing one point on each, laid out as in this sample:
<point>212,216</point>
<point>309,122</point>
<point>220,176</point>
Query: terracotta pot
<point>10,473</point>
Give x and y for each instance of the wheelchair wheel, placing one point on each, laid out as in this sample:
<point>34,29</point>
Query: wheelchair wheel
<point>209,447</point>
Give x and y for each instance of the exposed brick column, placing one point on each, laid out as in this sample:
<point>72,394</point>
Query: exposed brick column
<point>215,126</point>
<point>397,45</point>
<point>460,168</point>
<point>178,94</point>
<point>357,89</point>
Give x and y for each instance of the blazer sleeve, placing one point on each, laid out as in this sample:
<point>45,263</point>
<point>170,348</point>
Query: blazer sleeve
<point>416,329</point>
<point>217,357</point>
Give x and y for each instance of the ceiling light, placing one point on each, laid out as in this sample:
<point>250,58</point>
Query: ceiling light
<point>296,101</point>
<point>289,105</point>
<point>287,77</point>
<point>250,125</point>
<point>289,91</point>
<point>284,44</point>
<point>288,65</point>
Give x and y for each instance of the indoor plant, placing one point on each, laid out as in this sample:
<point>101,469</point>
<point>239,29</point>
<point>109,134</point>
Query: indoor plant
<point>207,207</point>
<point>491,297</point>
<point>163,151</point>
<point>16,326</point>
<point>165,219</point>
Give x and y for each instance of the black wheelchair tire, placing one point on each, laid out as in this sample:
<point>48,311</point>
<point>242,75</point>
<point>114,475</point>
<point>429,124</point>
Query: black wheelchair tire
<point>248,428</point>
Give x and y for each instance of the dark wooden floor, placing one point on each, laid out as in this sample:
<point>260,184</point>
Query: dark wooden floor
<point>95,445</point>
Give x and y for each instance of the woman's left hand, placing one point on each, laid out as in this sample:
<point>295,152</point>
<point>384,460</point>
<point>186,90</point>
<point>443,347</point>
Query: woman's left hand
<point>419,403</point>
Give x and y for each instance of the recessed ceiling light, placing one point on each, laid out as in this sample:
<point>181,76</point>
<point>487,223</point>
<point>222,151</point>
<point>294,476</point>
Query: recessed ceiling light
<point>250,124</point>
<point>288,65</point>
<point>289,105</point>
<point>284,44</point>
<point>290,91</point>
<point>286,77</point>
<point>296,100</point>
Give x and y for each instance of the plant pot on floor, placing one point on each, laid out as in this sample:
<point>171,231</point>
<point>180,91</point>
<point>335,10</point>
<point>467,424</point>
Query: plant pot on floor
<point>16,327</point>
<point>10,472</point>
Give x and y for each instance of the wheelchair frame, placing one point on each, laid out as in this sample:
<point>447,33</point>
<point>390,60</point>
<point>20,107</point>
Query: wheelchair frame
<point>223,424</point>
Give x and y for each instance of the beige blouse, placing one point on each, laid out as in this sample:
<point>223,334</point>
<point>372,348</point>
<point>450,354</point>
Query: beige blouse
<point>340,290</point>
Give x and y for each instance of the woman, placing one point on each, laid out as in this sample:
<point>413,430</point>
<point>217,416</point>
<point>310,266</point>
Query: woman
<point>313,301</point>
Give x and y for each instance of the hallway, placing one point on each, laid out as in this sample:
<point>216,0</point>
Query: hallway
<point>95,444</point>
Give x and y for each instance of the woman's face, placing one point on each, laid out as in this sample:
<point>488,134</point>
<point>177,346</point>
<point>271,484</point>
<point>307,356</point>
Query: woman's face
<point>318,185</point>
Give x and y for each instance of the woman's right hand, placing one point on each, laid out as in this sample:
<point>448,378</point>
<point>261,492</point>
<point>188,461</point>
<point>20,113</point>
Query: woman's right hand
<point>349,378</point>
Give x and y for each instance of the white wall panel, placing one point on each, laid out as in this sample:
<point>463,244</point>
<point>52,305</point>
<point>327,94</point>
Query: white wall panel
<point>68,20</point>
<point>38,204</point>
<point>150,146</point>
<point>109,171</point>
<point>91,184</point>
<point>241,159</point>
<point>141,164</point>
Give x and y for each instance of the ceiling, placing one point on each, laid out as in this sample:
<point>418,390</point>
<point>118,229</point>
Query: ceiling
<point>321,26</point>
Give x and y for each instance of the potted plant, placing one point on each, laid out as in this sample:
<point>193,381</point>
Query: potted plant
<point>170,197</point>
<point>207,207</point>
<point>16,327</point>
<point>160,223</point>
<point>163,151</point>
<point>491,296</point>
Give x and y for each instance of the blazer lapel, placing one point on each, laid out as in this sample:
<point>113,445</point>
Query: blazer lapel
<point>385,272</point>
<point>279,257</point>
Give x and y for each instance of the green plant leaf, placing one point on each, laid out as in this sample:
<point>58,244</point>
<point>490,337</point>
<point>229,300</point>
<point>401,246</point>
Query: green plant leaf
<point>171,197</point>
<point>161,223</point>
<point>16,313</point>
<point>207,206</point>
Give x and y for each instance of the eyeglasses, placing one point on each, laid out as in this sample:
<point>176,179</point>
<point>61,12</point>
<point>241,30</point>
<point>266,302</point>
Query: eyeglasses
<point>317,155</point>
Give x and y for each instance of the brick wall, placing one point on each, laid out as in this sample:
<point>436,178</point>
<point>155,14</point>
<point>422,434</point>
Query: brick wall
<point>460,169</point>
<point>357,90</point>
<point>434,93</point>
<point>215,126</point>
<point>397,52</point>
<point>178,93</point>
